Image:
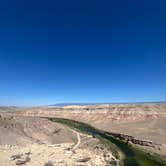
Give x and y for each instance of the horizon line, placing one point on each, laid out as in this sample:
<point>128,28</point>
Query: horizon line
<point>83,103</point>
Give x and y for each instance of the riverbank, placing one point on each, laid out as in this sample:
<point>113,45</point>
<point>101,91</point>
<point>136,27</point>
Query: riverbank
<point>126,153</point>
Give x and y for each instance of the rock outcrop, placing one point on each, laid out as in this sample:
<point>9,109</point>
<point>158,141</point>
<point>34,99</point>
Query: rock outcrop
<point>131,139</point>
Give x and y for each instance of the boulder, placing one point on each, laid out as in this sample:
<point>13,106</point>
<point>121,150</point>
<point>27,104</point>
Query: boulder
<point>49,163</point>
<point>16,156</point>
<point>85,159</point>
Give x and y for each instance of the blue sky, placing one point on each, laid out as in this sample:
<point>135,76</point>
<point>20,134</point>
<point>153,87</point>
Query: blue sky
<point>82,51</point>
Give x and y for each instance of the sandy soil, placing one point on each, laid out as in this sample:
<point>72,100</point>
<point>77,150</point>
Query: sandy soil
<point>57,154</point>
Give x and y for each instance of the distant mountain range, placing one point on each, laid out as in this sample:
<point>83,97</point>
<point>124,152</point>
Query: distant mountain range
<point>78,104</point>
<point>82,104</point>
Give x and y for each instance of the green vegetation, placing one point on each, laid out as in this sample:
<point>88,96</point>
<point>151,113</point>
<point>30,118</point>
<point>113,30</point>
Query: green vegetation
<point>127,154</point>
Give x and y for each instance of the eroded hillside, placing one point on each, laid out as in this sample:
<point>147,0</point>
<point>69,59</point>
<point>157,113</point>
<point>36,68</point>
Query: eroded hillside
<point>142,121</point>
<point>37,141</point>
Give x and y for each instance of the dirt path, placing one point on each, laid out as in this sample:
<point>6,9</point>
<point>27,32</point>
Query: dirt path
<point>78,140</point>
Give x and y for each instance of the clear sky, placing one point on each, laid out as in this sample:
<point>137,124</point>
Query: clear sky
<point>82,51</point>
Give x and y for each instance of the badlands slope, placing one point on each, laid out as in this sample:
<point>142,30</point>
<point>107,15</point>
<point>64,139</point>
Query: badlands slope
<point>101,113</point>
<point>143,121</point>
<point>37,141</point>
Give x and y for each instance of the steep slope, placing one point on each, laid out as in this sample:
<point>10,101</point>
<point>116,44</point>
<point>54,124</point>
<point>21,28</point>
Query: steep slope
<point>24,130</point>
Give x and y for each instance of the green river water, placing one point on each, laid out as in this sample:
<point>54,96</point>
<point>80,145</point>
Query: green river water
<point>127,154</point>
